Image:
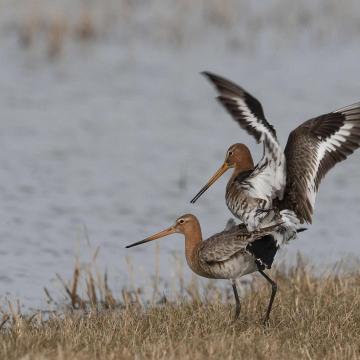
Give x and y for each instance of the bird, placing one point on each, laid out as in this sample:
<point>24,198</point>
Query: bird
<point>229,254</point>
<point>284,183</point>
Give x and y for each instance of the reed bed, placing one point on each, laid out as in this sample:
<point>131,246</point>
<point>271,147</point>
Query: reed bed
<point>314,317</point>
<point>181,23</point>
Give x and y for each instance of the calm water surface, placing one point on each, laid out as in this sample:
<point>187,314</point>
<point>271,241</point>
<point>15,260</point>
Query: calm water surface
<point>112,142</point>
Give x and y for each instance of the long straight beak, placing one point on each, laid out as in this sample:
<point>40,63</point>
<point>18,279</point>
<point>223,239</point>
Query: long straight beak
<point>218,173</point>
<point>168,231</point>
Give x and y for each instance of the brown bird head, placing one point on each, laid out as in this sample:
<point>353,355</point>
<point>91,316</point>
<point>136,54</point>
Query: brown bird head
<point>238,156</point>
<point>185,224</point>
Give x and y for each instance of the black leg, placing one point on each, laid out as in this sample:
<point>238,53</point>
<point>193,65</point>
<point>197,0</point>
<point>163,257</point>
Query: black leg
<point>237,301</point>
<point>272,297</point>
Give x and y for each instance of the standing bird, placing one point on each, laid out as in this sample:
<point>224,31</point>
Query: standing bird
<point>229,254</point>
<point>282,184</point>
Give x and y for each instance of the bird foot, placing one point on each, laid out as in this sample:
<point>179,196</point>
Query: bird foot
<point>236,314</point>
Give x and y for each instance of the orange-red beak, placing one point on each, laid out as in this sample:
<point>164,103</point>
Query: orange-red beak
<point>216,176</point>
<point>168,231</point>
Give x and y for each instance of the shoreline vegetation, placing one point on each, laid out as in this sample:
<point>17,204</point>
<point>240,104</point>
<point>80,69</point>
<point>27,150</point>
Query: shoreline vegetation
<point>53,27</point>
<point>314,316</point>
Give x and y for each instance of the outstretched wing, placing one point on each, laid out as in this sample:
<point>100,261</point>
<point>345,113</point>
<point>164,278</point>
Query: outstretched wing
<point>312,150</point>
<point>247,111</point>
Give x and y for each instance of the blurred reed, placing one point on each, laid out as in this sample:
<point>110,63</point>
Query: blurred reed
<point>238,24</point>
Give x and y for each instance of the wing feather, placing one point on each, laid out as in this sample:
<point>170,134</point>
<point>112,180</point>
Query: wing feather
<point>269,176</point>
<point>245,109</point>
<point>312,150</point>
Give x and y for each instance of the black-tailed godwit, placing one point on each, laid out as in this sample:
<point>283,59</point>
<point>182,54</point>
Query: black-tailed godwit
<point>284,183</point>
<point>229,254</point>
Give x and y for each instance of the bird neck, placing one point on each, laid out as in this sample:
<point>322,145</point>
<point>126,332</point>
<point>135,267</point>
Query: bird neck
<point>242,167</point>
<point>193,239</point>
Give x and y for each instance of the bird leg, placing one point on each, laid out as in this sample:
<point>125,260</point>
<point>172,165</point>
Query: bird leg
<point>237,301</point>
<point>272,297</point>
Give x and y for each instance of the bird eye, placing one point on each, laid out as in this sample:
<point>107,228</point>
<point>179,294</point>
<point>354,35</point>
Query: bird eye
<point>181,221</point>
<point>230,153</point>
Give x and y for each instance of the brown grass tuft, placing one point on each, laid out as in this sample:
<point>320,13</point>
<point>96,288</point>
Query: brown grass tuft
<point>314,317</point>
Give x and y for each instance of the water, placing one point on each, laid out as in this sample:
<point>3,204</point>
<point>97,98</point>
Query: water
<point>111,141</point>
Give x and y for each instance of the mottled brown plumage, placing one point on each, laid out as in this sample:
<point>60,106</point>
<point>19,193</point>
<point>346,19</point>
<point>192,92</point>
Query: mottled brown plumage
<point>312,150</point>
<point>242,199</point>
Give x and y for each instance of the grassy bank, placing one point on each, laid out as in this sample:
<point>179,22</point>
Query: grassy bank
<point>313,317</point>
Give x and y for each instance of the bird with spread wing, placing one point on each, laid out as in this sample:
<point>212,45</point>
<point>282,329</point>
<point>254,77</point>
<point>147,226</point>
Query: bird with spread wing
<point>284,183</point>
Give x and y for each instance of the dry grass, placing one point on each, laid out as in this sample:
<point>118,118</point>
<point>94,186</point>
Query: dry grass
<point>313,318</point>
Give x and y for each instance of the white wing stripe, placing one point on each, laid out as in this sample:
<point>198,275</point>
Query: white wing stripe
<point>270,182</point>
<point>254,122</point>
<point>330,144</point>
